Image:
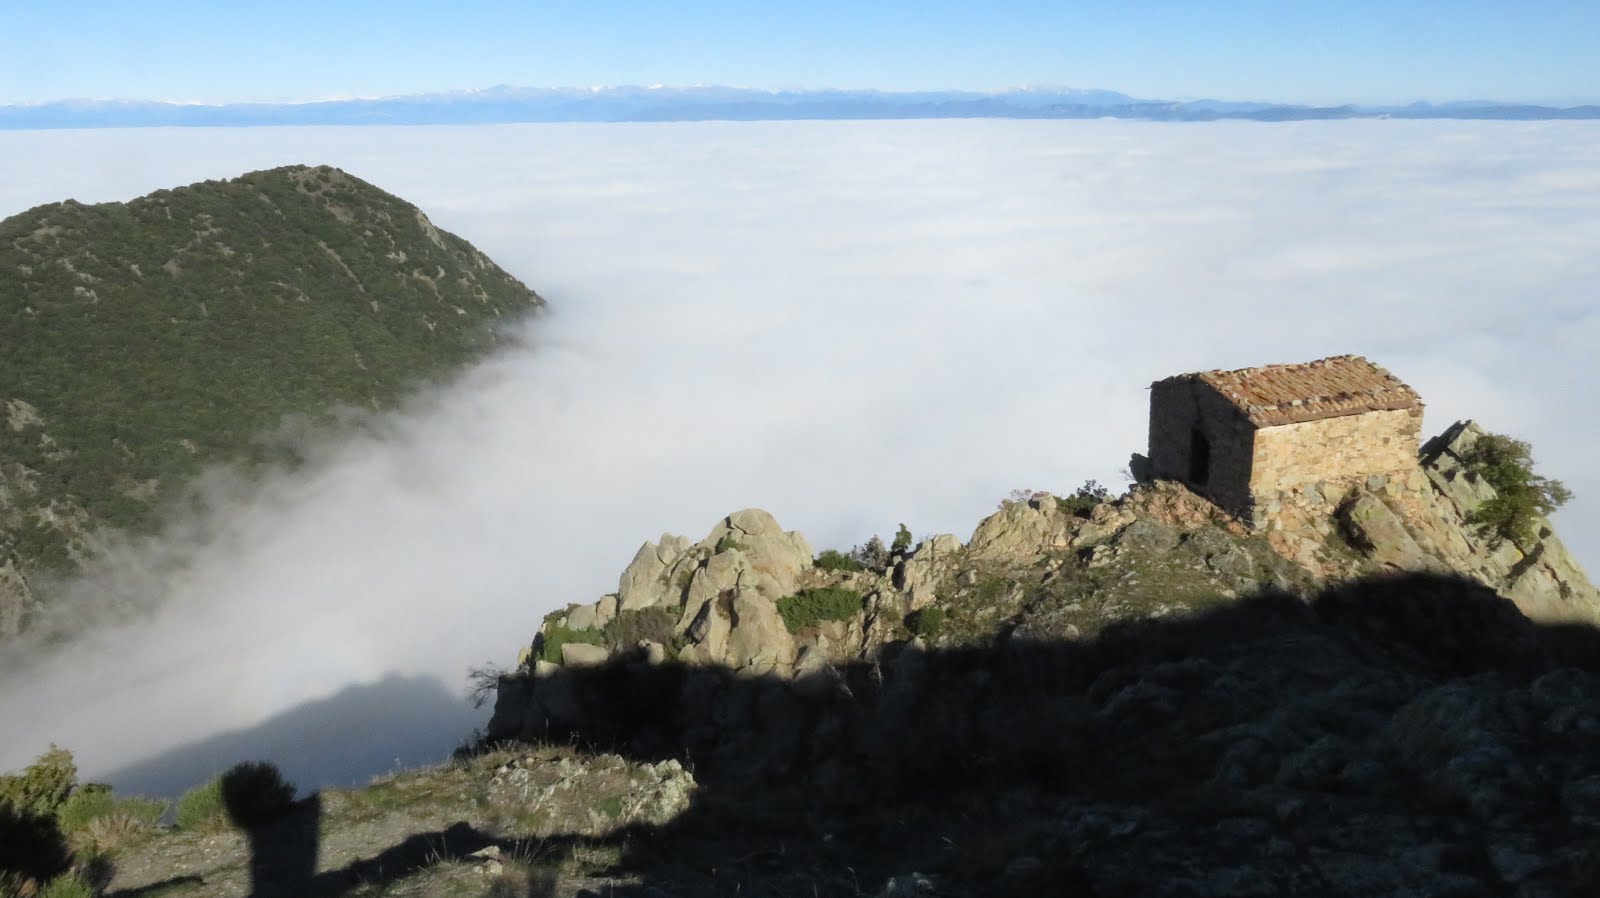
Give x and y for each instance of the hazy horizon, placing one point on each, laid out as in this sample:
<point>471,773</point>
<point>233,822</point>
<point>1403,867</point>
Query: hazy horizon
<point>851,325</point>
<point>1320,54</point>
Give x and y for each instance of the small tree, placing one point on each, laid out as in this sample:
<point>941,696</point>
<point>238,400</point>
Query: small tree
<point>1521,495</point>
<point>874,556</point>
<point>902,541</point>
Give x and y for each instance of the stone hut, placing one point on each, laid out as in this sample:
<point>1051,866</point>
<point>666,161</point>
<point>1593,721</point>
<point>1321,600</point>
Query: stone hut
<point>1241,437</point>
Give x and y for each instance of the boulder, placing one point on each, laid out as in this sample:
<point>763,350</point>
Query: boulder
<point>722,572</point>
<point>779,557</point>
<point>605,611</point>
<point>707,631</point>
<point>582,617</point>
<point>920,574</point>
<point>1147,537</point>
<point>1022,532</point>
<point>758,642</point>
<point>645,582</point>
<point>579,654</point>
<point>1382,535</point>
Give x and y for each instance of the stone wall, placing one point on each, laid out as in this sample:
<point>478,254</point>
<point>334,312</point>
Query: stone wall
<point>1177,411</point>
<point>1345,448</point>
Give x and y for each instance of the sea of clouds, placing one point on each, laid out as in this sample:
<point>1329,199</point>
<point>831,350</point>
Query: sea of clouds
<point>851,325</point>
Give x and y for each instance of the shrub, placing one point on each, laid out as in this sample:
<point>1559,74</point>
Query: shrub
<point>84,804</point>
<point>93,801</point>
<point>67,887</point>
<point>1022,496</point>
<point>117,827</point>
<point>927,622</point>
<point>902,541</point>
<point>483,683</point>
<point>553,637</point>
<point>834,560</point>
<point>1083,502</point>
<point>43,786</point>
<point>809,607</point>
<point>255,792</point>
<point>874,556</point>
<point>629,628</point>
<point>201,805</point>
<point>1521,496</point>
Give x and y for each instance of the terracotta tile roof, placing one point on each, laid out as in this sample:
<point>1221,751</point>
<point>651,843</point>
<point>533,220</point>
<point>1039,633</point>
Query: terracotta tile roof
<point>1308,391</point>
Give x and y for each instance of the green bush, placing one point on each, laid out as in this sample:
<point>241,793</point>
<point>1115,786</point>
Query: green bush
<point>83,805</point>
<point>92,801</point>
<point>201,805</point>
<point>926,623</point>
<point>628,628</point>
<point>902,541</point>
<point>254,792</point>
<point>41,788</point>
<point>67,887</point>
<point>834,560</point>
<point>809,607</point>
<point>553,637</point>
<point>1521,496</point>
<point>1083,502</point>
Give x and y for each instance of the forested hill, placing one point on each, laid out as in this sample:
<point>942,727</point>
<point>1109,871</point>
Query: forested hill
<point>143,340</point>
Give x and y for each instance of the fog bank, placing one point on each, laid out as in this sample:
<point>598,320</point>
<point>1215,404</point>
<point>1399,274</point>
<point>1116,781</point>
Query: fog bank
<point>850,324</point>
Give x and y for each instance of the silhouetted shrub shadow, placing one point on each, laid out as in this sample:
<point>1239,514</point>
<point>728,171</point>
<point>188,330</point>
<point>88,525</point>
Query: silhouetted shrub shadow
<point>31,845</point>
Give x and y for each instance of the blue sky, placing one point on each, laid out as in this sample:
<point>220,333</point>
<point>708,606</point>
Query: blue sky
<point>1351,51</point>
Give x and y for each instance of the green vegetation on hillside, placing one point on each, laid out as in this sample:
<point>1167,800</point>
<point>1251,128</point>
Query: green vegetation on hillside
<point>147,339</point>
<point>809,607</point>
<point>1521,496</point>
<point>49,822</point>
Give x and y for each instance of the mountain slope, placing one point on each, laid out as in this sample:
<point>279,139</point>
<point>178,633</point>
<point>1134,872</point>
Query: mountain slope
<point>144,340</point>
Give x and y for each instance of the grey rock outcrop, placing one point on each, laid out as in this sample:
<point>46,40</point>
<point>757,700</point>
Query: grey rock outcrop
<point>1023,531</point>
<point>649,579</point>
<point>1420,521</point>
<point>16,601</point>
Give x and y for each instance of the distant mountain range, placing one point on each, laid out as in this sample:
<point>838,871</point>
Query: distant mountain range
<point>500,105</point>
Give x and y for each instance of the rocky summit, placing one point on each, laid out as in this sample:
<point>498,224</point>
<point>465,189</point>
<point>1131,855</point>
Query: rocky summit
<point>1359,693</point>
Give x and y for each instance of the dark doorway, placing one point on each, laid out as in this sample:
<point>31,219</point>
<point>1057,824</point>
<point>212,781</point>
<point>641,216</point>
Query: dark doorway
<point>1199,458</point>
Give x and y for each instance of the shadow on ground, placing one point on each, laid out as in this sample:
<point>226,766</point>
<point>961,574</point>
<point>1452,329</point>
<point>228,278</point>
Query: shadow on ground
<point>1393,736</point>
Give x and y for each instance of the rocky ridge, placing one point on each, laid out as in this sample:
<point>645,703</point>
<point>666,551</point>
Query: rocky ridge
<point>1359,696</point>
<point>1047,568</point>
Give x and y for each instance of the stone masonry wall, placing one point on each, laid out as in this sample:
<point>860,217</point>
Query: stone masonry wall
<point>1290,456</point>
<point>1176,410</point>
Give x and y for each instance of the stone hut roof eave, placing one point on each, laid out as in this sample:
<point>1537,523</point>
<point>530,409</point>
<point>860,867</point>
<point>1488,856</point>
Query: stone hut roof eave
<point>1277,395</point>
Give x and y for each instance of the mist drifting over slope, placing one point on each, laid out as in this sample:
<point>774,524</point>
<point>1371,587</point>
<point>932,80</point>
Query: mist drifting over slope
<point>849,324</point>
